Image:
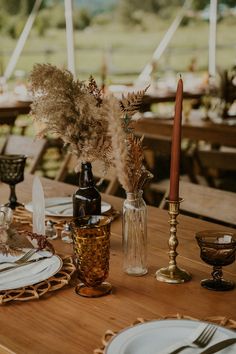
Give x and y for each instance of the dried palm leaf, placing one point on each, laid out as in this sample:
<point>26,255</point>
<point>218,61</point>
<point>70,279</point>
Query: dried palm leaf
<point>132,102</point>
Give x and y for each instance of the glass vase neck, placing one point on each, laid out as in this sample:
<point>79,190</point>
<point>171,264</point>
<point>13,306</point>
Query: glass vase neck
<point>134,195</point>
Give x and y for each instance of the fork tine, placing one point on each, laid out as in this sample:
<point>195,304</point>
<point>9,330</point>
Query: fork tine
<point>202,334</point>
<point>201,340</point>
<point>209,334</point>
<point>26,256</point>
<point>30,253</point>
<point>206,335</point>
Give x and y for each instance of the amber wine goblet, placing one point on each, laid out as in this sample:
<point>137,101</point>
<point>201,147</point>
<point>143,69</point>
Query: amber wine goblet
<point>217,248</point>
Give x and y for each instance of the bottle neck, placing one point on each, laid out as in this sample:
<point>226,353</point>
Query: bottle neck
<point>86,176</point>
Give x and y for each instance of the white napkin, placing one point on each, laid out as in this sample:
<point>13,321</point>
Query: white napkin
<point>38,207</point>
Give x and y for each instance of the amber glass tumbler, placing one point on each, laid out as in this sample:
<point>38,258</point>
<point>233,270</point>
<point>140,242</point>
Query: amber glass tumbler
<point>91,241</point>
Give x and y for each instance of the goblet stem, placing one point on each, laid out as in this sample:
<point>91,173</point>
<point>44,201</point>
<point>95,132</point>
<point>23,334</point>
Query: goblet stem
<point>217,283</point>
<point>13,199</point>
<point>217,273</point>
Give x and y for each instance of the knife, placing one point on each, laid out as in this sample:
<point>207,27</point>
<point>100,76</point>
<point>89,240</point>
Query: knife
<point>219,346</point>
<point>59,204</point>
<point>21,265</point>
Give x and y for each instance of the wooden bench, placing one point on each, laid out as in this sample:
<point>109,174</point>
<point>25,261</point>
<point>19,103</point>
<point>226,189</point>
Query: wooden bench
<point>25,145</point>
<point>203,201</point>
<point>207,164</point>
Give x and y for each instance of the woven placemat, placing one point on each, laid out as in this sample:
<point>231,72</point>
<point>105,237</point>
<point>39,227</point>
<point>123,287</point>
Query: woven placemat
<point>219,320</point>
<point>32,292</point>
<point>24,217</point>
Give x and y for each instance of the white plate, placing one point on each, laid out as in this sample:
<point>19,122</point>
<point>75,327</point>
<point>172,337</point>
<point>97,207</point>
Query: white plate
<point>61,206</point>
<point>29,274</point>
<point>154,336</point>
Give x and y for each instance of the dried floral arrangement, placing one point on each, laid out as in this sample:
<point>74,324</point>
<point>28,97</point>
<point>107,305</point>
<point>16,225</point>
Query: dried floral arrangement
<point>128,151</point>
<point>72,110</point>
<point>95,126</point>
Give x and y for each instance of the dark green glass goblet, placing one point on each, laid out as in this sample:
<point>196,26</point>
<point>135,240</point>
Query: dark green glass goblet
<point>12,172</point>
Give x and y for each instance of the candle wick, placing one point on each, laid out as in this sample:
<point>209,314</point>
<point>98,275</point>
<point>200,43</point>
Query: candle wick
<point>180,76</point>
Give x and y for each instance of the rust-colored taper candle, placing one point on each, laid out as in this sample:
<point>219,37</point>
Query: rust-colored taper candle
<point>176,145</point>
<point>172,273</point>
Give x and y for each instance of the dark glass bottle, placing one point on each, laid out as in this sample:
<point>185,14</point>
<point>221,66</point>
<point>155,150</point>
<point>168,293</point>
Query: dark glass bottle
<point>87,199</point>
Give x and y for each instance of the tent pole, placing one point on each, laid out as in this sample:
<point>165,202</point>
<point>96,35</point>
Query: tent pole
<point>21,42</point>
<point>212,38</point>
<point>145,74</point>
<point>70,37</point>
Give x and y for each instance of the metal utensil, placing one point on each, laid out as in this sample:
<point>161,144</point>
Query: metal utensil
<point>59,204</point>
<point>69,207</point>
<point>24,258</point>
<point>219,346</point>
<point>22,264</point>
<point>200,341</point>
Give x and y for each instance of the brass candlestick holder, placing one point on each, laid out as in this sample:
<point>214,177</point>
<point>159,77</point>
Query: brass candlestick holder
<point>173,274</point>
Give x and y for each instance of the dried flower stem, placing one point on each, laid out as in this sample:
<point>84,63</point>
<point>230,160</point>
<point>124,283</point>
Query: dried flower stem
<point>118,138</point>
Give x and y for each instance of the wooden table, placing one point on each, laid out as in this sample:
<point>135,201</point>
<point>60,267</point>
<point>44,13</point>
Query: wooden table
<point>168,96</point>
<point>11,109</point>
<point>195,129</point>
<point>155,95</point>
<point>68,323</point>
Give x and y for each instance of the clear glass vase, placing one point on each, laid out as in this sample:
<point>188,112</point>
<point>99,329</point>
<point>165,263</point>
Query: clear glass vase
<point>135,234</point>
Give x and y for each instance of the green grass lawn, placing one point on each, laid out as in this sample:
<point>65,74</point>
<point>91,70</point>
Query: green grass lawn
<point>128,49</point>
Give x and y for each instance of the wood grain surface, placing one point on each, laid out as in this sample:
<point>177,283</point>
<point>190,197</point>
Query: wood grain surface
<point>67,323</point>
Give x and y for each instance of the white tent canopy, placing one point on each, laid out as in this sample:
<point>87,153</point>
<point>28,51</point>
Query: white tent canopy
<point>25,33</point>
<point>145,74</point>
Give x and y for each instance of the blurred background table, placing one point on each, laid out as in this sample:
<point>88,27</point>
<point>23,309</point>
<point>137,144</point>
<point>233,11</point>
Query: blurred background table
<point>10,108</point>
<point>194,128</point>
<point>168,96</point>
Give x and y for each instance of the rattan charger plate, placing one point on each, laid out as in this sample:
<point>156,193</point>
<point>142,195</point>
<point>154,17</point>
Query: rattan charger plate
<point>219,320</point>
<point>57,281</point>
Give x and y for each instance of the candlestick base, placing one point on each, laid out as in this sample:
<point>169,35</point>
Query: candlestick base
<point>173,275</point>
